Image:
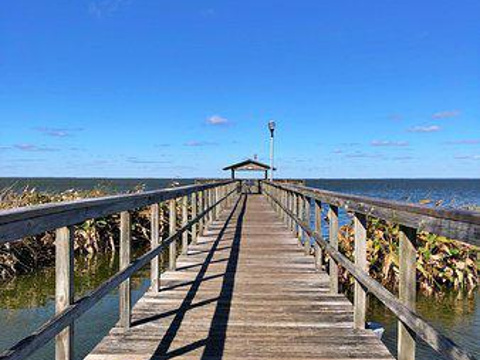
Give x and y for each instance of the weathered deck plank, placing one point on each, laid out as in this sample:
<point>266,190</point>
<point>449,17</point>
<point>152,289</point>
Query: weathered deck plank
<point>244,291</point>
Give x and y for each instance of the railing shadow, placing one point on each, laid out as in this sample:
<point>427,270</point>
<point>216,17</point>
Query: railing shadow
<point>214,343</point>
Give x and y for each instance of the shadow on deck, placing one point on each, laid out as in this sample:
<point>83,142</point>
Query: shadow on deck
<point>244,291</point>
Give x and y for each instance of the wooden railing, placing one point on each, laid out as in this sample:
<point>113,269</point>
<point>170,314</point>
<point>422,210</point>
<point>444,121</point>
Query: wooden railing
<point>204,201</point>
<point>294,203</point>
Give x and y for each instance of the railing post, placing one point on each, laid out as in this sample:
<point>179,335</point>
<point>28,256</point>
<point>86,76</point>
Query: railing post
<point>407,289</point>
<point>286,204</point>
<point>172,253</point>
<point>64,288</point>
<point>318,229</point>
<point>277,197</point>
<point>214,200</point>
<point>201,206</point>
<point>211,201</point>
<point>295,211</point>
<point>292,210</point>
<point>208,201</point>
<point>333,241</point>
<point>124,291</point>
<point>301,215</point>
<point>306,238</point>
<point>360,296</point>
<point>184,223</point>
<point>194,215</point>
<point>155,242</point>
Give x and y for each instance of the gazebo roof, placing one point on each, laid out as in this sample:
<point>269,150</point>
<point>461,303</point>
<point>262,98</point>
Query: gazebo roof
<point>248,165</point>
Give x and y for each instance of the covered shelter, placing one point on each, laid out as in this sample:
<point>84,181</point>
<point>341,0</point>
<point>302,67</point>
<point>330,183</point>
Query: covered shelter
<point>248,165</point>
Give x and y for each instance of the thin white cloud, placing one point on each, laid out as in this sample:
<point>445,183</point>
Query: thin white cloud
<point>195,143</point>
<point>352,144</point>
<point>33,148</point>
<point>135,160</point>
<point>464,142</point>
<point>467,157</point>
<point>362,155</point>
<point>395,117</point>
<point>403,158</point>
<point>389,143</point>
<point>446,114</point>
<point>424,129</point>
<point>57,132</point>
<point>102,8</point>
<point>217,120</point>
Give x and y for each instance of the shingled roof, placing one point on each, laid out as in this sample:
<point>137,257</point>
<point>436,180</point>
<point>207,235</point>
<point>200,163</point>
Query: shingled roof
<point>248,165</point>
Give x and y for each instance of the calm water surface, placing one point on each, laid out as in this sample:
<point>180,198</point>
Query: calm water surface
<point>27,301</point>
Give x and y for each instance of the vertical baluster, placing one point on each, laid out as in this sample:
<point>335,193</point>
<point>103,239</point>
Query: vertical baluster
<point>407,289</point>
<point>208,198</point>
<point>220,197</point>
<point>306,238</point>
<point>194,215</point>
<point>211,201</point>
<point>333,241</point>
<point>201,207</point>
<point>124,290</point>
<point>301,215</point>
<point>214,200</point>
<point>205,205</point>
<point>292,210</point>
<point>184,223</point>
<point>64,288</point>
<point>287,204</point>
<point>360,296</point>
<point>172,253</point>
<point>295,212</point>
<point>277,198</point>
<point>318,229</point>
<point>155,241</point>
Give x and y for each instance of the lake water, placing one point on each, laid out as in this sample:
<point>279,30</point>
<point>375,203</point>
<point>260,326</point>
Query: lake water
<point>27,301</point>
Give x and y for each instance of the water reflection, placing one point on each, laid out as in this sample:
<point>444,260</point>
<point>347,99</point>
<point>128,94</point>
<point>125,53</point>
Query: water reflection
<point>455,315</point>
<point>26,302</point>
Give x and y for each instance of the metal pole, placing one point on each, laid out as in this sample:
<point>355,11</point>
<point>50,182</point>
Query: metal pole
<point>271,156</point>
<point>271,127</point>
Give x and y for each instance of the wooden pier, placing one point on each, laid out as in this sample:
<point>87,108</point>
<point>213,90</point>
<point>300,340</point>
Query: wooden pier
<point>246,290</point>
<point>249,274</point>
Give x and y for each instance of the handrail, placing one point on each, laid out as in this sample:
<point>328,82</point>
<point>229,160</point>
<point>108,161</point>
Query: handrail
<point>405,314</point>
<point>455,224</point>
<point>31,220</point>
<point>64,319</point>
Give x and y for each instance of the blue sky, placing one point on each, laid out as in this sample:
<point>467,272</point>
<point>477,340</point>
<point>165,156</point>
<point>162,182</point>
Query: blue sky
<point>130,88</point>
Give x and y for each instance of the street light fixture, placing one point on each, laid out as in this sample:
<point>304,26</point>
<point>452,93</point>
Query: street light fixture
<point>271,127</point>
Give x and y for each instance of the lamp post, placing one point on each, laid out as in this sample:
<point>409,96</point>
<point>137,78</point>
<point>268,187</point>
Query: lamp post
<point>271,127</point>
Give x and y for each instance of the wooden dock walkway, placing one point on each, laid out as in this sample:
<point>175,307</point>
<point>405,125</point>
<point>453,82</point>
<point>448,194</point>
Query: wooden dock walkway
<point>244,291</point>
